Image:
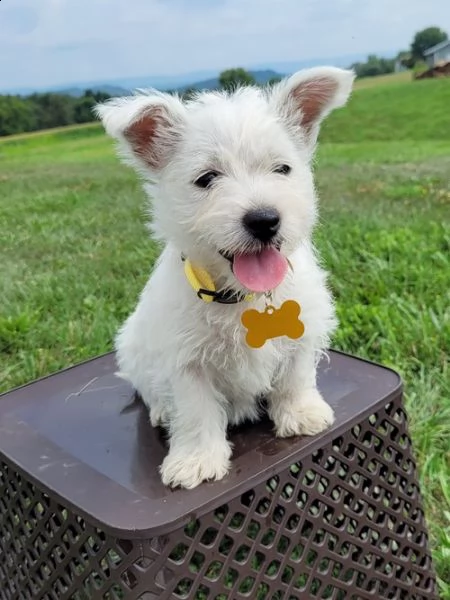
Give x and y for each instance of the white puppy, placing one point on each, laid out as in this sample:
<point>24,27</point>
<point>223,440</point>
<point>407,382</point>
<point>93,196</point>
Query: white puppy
<point>232,190</point>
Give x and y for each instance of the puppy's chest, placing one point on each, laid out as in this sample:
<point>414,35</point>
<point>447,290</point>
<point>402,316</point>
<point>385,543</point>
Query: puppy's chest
<point>241,367</point>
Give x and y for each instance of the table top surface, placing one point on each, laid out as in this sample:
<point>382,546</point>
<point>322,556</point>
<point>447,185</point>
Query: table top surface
<point>82,437</point>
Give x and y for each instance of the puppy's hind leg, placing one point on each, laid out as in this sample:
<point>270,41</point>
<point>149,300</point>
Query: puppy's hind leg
<point>199,449</point>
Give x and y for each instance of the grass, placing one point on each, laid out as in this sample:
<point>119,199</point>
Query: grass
<point>75,254</point>
<point>45,132</point>
<point>370,82</point>
<point>414,111</point>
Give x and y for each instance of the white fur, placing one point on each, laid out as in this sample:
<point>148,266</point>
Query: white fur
<point>188,359</point>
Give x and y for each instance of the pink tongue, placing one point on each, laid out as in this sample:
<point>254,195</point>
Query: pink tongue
<point>261,271</point>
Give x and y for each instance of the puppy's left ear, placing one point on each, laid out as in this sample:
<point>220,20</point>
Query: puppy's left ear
<point>307,97</point>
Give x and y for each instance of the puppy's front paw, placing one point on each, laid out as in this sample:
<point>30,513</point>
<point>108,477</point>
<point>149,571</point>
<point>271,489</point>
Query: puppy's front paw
<point>308,414</point>
<point>188,467</point>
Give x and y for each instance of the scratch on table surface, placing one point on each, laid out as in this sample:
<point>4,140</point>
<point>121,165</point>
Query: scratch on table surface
<point>46,466</point>
<point>85,386</point>
<point>54,463</point>
<point>85,390</point>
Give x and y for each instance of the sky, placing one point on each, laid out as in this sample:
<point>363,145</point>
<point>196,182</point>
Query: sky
<point>59,42</point>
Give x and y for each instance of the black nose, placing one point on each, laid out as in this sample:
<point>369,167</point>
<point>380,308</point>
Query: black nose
<point>262,223</point>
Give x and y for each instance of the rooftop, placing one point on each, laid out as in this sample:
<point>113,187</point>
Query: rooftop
<point>436,47</point>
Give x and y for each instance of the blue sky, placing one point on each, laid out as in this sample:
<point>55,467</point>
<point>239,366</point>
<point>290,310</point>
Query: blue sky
<point>58,42</point>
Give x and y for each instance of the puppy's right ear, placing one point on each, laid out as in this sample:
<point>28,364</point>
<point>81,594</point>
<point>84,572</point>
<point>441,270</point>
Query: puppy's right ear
<point>147,126</point>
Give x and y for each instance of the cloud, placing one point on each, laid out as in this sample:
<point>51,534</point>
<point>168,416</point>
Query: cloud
<point>53,42</point>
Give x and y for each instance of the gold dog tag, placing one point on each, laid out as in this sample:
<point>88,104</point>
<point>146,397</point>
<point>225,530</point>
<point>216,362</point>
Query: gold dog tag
<point>272,323</point>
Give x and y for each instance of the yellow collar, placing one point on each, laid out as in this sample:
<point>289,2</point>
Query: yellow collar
<point>201,281</point>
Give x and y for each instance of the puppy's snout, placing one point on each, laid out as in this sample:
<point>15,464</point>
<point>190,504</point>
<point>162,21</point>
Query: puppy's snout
<point>262,223</point>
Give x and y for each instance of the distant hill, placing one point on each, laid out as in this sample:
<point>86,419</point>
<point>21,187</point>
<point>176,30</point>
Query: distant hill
<point>122,85</point>
<point>212,83</point>
<point>77,92</point>
<point>196,79</point>
<point>261,77</point>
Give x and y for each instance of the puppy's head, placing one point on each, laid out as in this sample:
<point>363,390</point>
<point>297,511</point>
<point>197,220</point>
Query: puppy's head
<point>230,174</point>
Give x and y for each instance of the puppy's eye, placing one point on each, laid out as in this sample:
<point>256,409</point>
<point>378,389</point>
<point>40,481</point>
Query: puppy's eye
<point>206,179</point>
<point>283,169</point>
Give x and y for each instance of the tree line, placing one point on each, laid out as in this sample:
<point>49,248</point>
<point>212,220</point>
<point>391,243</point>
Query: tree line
<point>412,58</point>
<point>19,114</point>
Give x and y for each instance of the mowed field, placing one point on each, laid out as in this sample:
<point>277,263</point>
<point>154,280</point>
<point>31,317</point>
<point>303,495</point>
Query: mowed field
<point>74,254</point>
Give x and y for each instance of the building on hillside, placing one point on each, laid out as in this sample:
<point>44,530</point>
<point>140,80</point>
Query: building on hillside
<point>438,54</point>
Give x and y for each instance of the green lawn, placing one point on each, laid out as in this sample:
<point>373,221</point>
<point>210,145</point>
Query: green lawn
<point>411,111</point>
<point>365,82</point>
<point>74,254</point>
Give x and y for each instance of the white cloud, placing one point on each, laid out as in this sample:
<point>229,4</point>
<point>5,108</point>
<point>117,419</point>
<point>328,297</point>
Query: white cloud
<point>51,42</point>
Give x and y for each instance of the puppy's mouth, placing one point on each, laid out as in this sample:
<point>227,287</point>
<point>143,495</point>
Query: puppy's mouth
<point>259,270</point>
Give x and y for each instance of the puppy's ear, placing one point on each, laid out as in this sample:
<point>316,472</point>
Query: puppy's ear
<point>308,96</point>
<point>147,126</point>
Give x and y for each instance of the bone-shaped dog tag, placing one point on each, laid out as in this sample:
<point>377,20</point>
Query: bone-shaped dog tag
<point>272,323</point>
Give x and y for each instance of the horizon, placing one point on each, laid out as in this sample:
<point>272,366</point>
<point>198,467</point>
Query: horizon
<point>59,43</point>
<point>197,77</point>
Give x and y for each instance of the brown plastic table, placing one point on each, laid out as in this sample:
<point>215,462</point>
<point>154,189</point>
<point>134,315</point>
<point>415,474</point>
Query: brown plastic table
<point>83,513</point>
